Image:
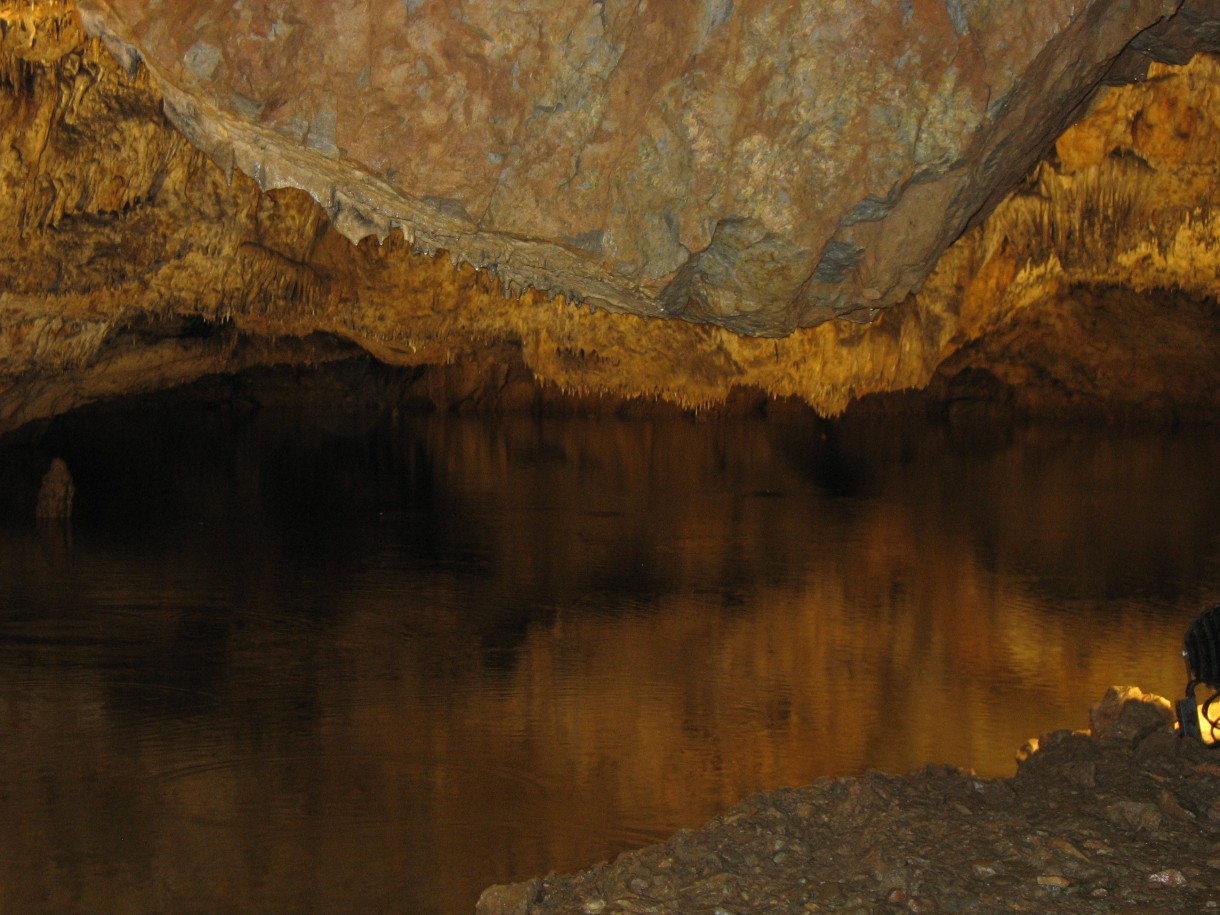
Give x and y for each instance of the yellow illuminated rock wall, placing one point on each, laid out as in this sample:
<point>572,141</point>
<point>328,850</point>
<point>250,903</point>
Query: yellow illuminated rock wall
<point>1100,275</point>
<point>130,262</point>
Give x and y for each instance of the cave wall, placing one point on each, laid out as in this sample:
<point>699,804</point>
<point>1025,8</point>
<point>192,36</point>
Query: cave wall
<point>1099,277</point>
<point>131,261</point>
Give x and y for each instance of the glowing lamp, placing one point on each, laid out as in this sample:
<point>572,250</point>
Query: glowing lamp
<point>1202,653</point>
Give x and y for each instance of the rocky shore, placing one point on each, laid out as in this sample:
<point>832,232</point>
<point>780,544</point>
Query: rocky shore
<point>1124,817</point>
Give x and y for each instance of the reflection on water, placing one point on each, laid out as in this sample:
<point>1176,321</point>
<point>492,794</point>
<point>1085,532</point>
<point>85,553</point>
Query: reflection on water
<point>277,669</point>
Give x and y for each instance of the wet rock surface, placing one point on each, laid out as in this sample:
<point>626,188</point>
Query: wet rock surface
<point>1121,818</point>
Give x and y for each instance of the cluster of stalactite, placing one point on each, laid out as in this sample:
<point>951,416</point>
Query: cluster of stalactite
<point>130,262</point>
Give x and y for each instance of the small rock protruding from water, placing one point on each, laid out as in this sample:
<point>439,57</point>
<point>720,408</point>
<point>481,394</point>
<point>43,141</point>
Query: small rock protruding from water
<point>56,493</point>
<point>509,898</point>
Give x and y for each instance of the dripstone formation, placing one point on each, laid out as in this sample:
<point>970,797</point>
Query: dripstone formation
<point>646,200</point>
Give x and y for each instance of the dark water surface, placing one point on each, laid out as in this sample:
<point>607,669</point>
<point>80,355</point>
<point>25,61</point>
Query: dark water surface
<point>283,669</point>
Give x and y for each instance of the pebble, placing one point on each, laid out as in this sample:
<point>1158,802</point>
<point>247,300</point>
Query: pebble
<point>1169,877</point>
<point>1135,815</point>
<point>1067,847</point>
<point>1169,806</point>
<point>985,870</point>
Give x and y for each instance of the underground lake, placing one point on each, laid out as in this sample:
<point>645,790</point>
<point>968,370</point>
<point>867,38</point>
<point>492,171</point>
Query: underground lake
<point>282,664</point>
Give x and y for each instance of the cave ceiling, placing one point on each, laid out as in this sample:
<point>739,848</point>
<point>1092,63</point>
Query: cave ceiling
<point>761,165</point>
<point>816,200</point>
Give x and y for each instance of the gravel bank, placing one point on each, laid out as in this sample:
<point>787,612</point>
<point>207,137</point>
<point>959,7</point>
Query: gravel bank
<point>1124,817</point>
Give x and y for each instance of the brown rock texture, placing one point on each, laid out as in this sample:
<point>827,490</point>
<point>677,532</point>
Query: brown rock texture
<point>762,164</point>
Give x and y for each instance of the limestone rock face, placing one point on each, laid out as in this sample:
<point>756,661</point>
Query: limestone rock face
<point>130,260</point>
<point>760,164</point>
<point>1098,279</point>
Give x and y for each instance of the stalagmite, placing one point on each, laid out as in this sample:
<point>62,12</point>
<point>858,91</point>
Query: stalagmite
<point>56,494</point>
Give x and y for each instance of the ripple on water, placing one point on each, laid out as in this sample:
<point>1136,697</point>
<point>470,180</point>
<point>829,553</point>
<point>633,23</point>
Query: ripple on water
<point>511,671</point>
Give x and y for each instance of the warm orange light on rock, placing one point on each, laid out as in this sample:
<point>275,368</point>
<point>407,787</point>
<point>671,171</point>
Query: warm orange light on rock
<point>133,262</point>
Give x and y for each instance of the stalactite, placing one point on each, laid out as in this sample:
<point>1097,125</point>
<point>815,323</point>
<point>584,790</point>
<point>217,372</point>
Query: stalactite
<point>114,215</point>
